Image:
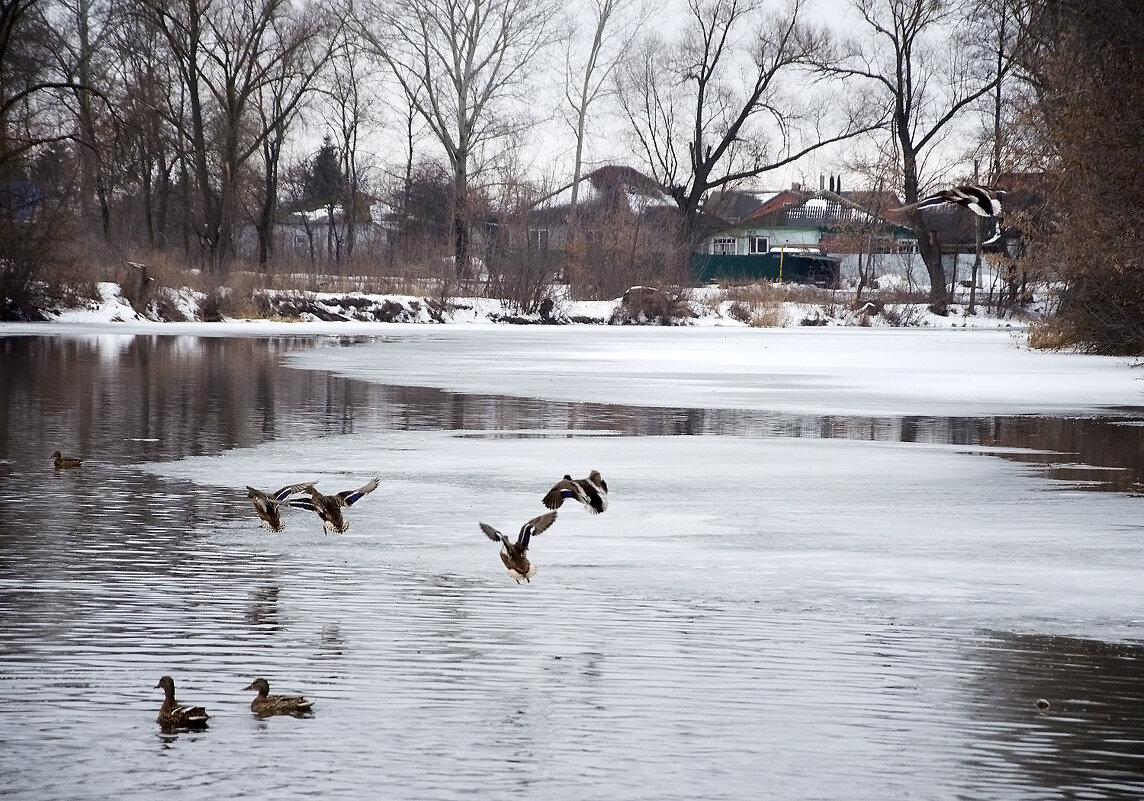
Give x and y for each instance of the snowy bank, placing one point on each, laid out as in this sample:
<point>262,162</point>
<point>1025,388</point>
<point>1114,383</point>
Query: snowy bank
<point>703,306</point>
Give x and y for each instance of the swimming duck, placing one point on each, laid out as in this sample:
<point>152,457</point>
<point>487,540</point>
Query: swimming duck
<point>173,715</point>
<point>265,704</point>
<point>329,507</point>
<point>513,553</point>
<point>65,462</point>
<point>591,491</point>
<point>267,504</point>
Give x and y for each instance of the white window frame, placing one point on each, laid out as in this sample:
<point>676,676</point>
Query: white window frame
<point>753,246</point>
<point>724,246</point>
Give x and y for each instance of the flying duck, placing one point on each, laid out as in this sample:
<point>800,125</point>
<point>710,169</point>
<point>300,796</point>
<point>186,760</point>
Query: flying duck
<point>513,553</point>
<point>65,462</point>
<point>173,715</point>
<point>978,199</point>
<point>591,491</point>
<point>265,704</point>
<point>267,504</point>
<point>329,507</point>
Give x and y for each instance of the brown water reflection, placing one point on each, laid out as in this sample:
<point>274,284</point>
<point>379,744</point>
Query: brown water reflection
<point>624,686</point>
<point>123,399</point>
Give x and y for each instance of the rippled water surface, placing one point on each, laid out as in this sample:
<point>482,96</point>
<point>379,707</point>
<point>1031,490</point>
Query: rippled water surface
<point>783,606</point>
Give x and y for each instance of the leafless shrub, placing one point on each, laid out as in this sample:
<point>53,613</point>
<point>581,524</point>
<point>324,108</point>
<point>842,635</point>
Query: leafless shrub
<point>644,305</point>
<point>523,279</point>
<point>739,311</point>
<point>164,307</point>
<point>774,316</point>
<point>902,315</point>
<point>759,305</point>
<point>1052,334</point>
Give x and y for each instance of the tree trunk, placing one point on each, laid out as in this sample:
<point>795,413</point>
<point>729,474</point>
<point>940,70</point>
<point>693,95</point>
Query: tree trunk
<point>461,217</point>
<point>265,224</point>
<point>927,245</point>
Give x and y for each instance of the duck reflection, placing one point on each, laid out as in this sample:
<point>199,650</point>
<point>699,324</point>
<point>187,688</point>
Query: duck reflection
<point>262,611</point>
<point>331,641</point>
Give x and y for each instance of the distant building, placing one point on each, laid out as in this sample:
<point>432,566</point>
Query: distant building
<point>858,229</point>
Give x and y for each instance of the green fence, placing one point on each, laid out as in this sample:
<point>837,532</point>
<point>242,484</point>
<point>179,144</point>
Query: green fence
<point>796,268</point>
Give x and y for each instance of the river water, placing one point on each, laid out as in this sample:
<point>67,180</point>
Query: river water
<point>753,616</point>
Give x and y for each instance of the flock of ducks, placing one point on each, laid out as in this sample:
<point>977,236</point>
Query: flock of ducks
<point>591,492</point>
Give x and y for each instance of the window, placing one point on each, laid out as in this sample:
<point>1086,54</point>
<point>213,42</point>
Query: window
<point>538,239</point>
<point>888,245</point>
<point>757,244</point>
<point>724,246</point>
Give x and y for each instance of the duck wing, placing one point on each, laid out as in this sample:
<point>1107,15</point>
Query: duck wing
<point>538,524</point>
<point>292,489</point>
<point>939,199</point>
<point>980,201</point>
<point>564,488</point>
<point>493,534</point>
<point>192,714</point>
<point>598,480</point>
<point>595,498</point>
<point>350,497</point>
<point>298,703</point>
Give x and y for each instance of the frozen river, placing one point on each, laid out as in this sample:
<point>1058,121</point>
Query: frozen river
<point>833,567</point>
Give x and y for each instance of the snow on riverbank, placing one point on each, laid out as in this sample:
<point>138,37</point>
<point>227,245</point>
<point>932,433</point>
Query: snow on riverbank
<point>709,305</point>
<point>714,363</point>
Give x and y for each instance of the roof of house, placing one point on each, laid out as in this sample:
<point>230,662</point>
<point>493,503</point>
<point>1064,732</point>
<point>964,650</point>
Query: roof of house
<point>610,188</point>
<point>731,206</point>
<point>799,209</point>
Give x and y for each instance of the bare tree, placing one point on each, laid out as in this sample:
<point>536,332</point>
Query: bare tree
<point>589,73</point>
<point>146,152</point>
<point>923,58</point>
<point>85,32</point>
<point>225,55</point>
<point>721,105</point>
<point>458,62</point>
<point>305,48</point>
<point>36,170</point>
<point>352,100</point>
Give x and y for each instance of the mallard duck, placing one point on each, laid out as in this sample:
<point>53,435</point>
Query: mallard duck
<point>267,504</point>
<point>513,553</point>
<point>173,715</point>
<point>591,491</point>
<point>265,704</point>
<point>65,462</point>
<point>980,200</point>
<point>329,507</point>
